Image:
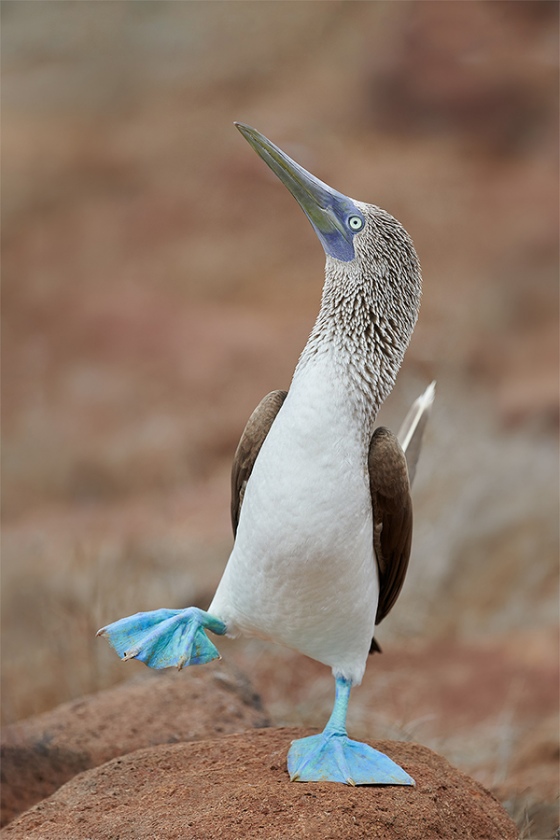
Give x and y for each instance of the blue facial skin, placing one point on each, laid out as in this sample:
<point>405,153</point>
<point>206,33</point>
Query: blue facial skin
<point>338,241</point>
<point>334,216</point>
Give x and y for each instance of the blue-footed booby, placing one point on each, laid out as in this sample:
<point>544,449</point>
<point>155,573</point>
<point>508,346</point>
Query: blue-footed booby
<point>321,505</point>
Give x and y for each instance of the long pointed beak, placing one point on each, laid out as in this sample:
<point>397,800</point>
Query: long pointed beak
<point>328,210</point>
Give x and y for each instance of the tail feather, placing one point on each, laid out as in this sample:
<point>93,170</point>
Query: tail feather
<point>412,429</point>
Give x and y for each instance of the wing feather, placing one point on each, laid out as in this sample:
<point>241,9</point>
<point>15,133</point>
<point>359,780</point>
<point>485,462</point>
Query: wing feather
<point>392,516</point>
<point>392,467</point>
<point>253,437</point>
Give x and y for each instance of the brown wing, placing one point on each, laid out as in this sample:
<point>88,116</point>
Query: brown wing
<point>392,516</point>
<point>254,434</point>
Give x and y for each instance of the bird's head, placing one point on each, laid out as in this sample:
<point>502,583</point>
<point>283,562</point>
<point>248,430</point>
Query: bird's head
<point>336,219</point>
<point>368,251</point>
<point>372,285</point>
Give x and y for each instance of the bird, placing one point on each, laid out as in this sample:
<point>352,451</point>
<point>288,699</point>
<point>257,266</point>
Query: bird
<point>321,506</point>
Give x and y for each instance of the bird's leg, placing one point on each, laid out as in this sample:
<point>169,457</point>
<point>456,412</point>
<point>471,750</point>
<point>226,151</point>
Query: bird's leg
<point>333,757</point>
<point>165,638</point>
<point>336,724</point>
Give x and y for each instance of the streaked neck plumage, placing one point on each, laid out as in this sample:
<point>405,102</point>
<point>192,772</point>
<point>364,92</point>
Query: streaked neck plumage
<point>368,311</point>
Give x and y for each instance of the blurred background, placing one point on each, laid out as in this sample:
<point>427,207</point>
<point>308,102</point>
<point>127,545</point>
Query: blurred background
<point>158,281</point>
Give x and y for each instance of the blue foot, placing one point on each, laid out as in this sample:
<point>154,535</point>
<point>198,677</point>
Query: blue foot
<point>165,638</point>
<point>332,757</point>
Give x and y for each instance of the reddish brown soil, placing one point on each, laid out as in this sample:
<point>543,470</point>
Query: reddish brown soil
<point>41,754</point>
<point>237,787</point>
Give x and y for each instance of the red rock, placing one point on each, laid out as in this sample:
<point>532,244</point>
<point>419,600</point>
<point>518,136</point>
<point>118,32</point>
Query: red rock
<point>42,753</point>
<point>237,786</point>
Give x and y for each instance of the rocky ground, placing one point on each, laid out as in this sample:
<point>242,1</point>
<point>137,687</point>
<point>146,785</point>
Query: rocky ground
<point>236,787</point>
<point>157,282</point>
<point>232,785</point>
<point>41,754</point>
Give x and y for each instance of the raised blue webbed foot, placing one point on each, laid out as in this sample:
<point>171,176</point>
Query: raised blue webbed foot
<point>333,757</point>
<point>165,638</point>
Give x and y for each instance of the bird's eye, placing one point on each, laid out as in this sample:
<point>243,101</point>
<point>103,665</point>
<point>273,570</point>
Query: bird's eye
<point>355,223</point>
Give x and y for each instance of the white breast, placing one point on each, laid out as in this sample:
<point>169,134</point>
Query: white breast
<point>302,571</point>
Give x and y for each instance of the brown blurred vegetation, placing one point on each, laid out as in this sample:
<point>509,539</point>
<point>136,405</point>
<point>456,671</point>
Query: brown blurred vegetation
<point>157,281</point>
